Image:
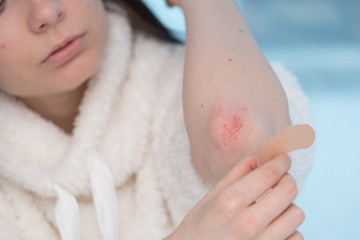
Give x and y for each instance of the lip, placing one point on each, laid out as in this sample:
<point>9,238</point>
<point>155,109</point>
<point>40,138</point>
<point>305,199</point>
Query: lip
<point>65,50</point>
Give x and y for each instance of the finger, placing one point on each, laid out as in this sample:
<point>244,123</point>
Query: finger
<point>256,183</point>
<point>296,236</point>
<point>277,200</point>
<point>241,169</point>
<point>284,227</point>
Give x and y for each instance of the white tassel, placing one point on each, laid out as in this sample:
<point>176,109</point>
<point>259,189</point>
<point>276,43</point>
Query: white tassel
<point>104,195</point>
<point>67,215</point>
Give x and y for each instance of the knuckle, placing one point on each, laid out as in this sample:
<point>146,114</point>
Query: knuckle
<point>271,173</point>
<point>226,202</point>
<point>297,236</point>
<point>298,214</point>
<point>287,161</point>
<point>247,227</point>
<point>290,186</point>
<point>300,236</point>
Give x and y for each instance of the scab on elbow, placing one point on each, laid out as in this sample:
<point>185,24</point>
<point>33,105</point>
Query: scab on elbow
<point>236,131</point>
<point>226,126</point>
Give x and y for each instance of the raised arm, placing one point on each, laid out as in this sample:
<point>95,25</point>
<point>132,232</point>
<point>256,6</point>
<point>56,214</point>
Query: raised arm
<point>232,98</point>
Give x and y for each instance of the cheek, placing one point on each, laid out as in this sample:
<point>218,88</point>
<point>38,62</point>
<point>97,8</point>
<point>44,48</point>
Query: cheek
<point>9,72</point>
<point>17,73</point>
<point>13,83</point>
<point>97,25</point>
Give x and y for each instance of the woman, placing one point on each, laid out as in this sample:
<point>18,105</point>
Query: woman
<point>93,141</point>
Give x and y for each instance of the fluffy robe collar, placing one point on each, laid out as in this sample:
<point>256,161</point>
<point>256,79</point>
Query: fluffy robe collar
<point>36,154</point>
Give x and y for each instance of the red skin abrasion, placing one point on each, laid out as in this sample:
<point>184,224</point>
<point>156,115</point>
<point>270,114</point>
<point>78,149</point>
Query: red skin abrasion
<point>230,128</point>
<point>226,127</point>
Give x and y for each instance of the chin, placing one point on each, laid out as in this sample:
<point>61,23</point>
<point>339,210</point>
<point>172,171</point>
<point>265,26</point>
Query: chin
<point>79,72</point>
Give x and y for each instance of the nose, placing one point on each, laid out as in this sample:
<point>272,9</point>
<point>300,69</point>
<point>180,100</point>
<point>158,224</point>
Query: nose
<point>44,14</point>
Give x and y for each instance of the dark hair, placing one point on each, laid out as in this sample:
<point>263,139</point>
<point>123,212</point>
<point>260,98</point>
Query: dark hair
<point>142,18</point>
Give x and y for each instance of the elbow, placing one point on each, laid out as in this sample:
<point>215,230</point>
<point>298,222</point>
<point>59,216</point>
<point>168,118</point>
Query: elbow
<point>236,131</point>
<point>233,133</point>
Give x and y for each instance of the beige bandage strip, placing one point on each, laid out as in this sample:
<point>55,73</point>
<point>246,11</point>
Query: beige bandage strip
<point>287,140</point>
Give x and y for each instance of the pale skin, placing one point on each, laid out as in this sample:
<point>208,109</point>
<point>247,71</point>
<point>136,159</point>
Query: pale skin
<point>244,92</point>
<point>29,29</point>
<point>232,102</point>
<point>228,82</point>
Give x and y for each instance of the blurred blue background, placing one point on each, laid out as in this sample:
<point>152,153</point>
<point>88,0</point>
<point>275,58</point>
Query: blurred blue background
<point>318,40</point>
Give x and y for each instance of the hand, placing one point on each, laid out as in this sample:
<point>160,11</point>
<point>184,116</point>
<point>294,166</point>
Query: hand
<point>232,208</point>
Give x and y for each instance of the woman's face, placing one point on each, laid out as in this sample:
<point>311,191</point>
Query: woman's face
<point>50,46</point>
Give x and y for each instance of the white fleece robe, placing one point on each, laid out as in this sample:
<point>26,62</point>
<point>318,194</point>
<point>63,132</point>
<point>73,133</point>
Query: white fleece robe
<point>132,116</point>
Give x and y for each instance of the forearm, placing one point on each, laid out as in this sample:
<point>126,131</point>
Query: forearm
<point>231,93</point>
